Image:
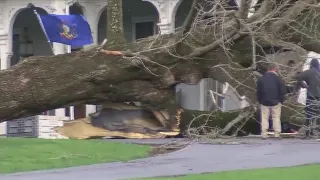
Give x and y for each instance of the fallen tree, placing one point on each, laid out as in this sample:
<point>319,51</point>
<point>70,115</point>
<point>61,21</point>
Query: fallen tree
<point>215,41</point>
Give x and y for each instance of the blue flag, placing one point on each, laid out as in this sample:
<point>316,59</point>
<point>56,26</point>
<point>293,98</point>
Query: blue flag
<point>71,30</point>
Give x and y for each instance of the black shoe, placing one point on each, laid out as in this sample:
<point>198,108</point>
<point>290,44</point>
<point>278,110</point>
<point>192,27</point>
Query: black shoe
<point>311,133</point>
<point>308,133</point>
<point>307,136</point>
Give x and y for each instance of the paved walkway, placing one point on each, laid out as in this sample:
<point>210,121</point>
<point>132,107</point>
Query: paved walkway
<point>197,158</point>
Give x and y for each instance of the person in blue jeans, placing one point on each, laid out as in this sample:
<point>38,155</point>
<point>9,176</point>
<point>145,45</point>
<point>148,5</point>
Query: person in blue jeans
<point>310,79</point>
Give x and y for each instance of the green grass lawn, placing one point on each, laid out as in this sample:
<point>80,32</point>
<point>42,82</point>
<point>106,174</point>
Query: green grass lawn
<point>307,172</point>
<point>27,154</point>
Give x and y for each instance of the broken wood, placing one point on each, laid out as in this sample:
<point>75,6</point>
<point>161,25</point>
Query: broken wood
<point>116,53</point>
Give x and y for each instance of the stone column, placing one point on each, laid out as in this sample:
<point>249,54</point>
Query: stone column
<point>92,17</point>
<point>59,7</point>
<point>59,49</point>
<point>91,14</point>
<point>71,112</point>
<point>167,10</point>
<point>5,48</point>
<point>5,52</point>
<point>5,56</point>
<point>94,30</point>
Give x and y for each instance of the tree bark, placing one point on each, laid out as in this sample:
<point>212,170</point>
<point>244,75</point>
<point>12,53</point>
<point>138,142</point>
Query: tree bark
<point>90,76</point>
<point>115,23</point>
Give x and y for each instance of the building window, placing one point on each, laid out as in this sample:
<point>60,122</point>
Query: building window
<point>216,87</point>
<point>26,44</point>
<point>67,110</point>
<point>143,27</point>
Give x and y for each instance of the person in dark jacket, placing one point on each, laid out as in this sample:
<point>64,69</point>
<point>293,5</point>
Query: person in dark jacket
<point>310,79</point>
<point>271,95</point>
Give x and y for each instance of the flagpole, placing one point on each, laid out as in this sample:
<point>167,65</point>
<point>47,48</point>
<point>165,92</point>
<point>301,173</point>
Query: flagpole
<point>71,108</point>
<point>43,29</point>
<point>67,13</point>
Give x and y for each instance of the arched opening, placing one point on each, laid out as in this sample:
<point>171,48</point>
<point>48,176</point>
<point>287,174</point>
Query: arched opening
<point>182,12</point>
<point>102,26</point>
<point>76,9</point>
<point>28,38</point>
<point>140,20</point>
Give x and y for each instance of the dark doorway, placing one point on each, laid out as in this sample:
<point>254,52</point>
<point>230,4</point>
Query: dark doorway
<point>144,29</point>
<point>15,49</point>
<point>67,110</point>
<point>76,9</point>
<point>79,111</point>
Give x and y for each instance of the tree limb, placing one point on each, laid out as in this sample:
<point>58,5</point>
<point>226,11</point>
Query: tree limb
<point>230,37</point>
<point>188,21</point>
<point>291,14</point>
<point>266,7</point>
<point>244,9</point>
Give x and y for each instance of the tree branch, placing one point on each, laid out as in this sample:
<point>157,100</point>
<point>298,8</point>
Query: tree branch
<point>265,8</point>
<point>188,21</point>
<point>186,26</point>
<point>230,37</point>
<point>244,9</point>
<point>242,115</point>
<point>290,15</point>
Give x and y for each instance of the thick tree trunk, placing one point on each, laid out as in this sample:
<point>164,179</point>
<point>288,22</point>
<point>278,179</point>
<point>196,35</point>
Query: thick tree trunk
<point>42,83</point>
<point>90,76</point>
